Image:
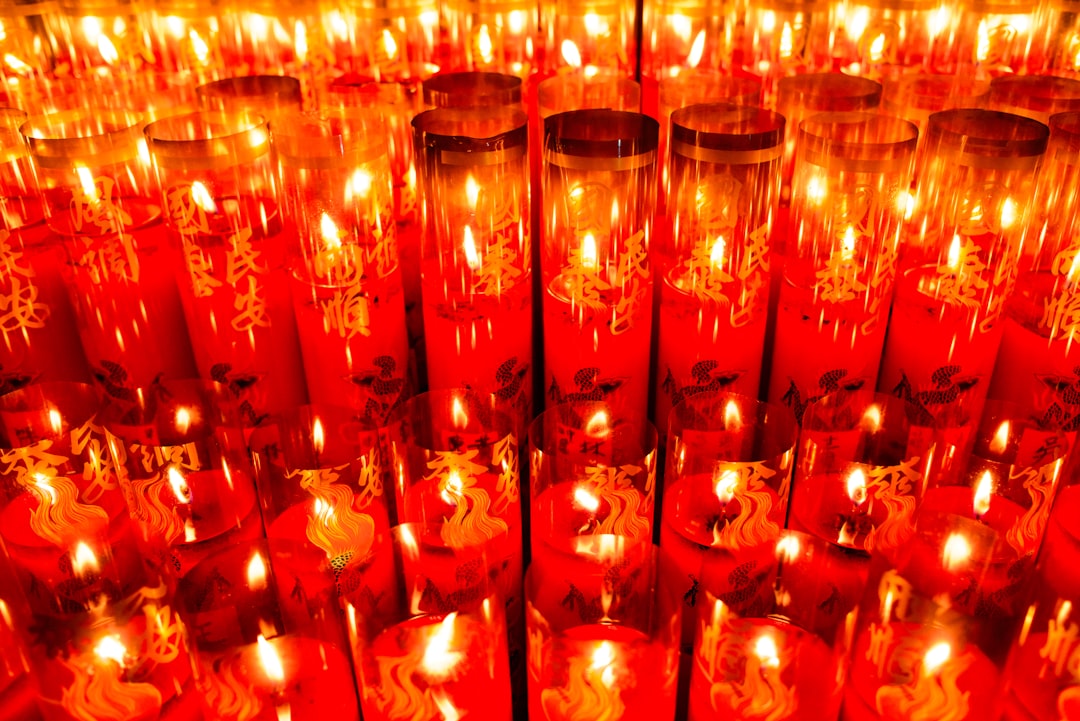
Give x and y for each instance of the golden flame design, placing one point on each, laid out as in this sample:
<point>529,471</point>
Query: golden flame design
<point>335,526</point>
<point>1026,532</point>
<point>934,696</point>
<point>397,694</point>
<point>59,512</point>
<point>99,693</point>
<point>155,513</point>
<point>229,696</point>
<point>762,695</point>
<point>627,516</point>
<point>472,523</point>
<point>752,526</point>
<point>588,695</point>
<point>895,529</point>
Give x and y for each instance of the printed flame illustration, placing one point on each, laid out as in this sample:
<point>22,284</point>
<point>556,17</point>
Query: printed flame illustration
<point>762,693</point>
<point>934,693</point>
<point>591,692</point>
<point>984,491</point>
<point>334,526</point>
<point>752,526</point>
<point>98,691</point>
<point>59,512</point>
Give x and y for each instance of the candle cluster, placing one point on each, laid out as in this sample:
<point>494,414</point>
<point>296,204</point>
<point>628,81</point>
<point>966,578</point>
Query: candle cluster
<point>285,289</point>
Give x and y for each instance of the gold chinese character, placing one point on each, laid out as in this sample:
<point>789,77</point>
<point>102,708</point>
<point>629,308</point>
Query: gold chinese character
<point>201,271</point>
<point>960,279</point>
<point>185,210</point>
<point>251,308</point>
<point>92,204</point>
<point>498,272</point>
<point>347,312</point>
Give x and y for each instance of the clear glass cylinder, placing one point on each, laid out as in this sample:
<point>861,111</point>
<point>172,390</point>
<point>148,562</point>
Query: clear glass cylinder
<point>186,35</point>
<point>599,171</point>
<point>346,280</point>
<point>267,95</point>
<point>104,35</point>
<point>1035,96</point>
<point>782,38</point>
<point>886,38</point>
<point>682,36</point>
<point>396,40</point>
<point>33,34</point>
<point>584,91</point>
<point>471,89</point>
<point>987,38</point>
<point>495,36</point>
<point>589,33</point>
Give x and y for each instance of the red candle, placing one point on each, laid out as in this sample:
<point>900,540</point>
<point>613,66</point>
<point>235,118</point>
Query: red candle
<point>1061,546</point>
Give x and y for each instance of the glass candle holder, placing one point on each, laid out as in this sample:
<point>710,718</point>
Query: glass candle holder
<point>33,37</point>
<point>725,186</point>
<point>1006,478</point>
<point>593,485</point>
<point>18,692</point>
<point>221,198</point>
<point>783,657</point>
<point>726,483</point>
<point>862,472</point>
<point>959,260</point>
<point>599,197</point>
<point>1061,542</point>
<point>494,36</point>
<point>266,95</point>
<point>476,257</point>
<point>185,35</point>
<point>584,33</point>
<point>40,338</point>
<point>432,643</point>
<point>1037,361</point>
<point>1056,40</point>
<point>886,39</point>
<point>346,282</point>
<point>987,38</point>
<point>912,650</point>
<point>1036,96</point>
<point>782,38</point>
<point>100,197</point>
<point>103,35</point>
<point>585,91</point>
<point>266,642</point>
<point>472,89</point>
<point>178,449</point>
<point>397,40</point>
<point>801,96</point>
<point>320,472</point>
<point>683,36</point>
<point>65,524</point>
<point>848,200</point>
<point>1039,674</point>
<point>620,662</point>
<point>397,104</point>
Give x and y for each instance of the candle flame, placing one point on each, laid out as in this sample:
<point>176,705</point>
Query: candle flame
<point>1008,213</point>
<point>603,660</point>
<point>877,49</point>
<point>201,197</point>
<point>1000,441</point>
<point>330,234</point>
<point>86,182</point>
<point>599,425</point>
<point>270,660</point>
<point>816,189</point>
<point>17,65</point>
<point>584,498</point>
<point>199,47</point>
<point>956,551</point>
<point>318,436</point>
<point>936,656</point>
<point>847,247</point>
<point>516,20</point>
<point>846,535</point>
<point>390,45</point>
<point>111,648</point>
<point>457,410</point>
<point>588,252</point>
<point>953,260</point>
<point>83,560</point>
<point>732,415</point>
<point>984,490</point>
<point>300,44</point>
<point>871,418</point>
<point>788,548</point>
<point>56,421</point>
<point>905,202</point>
<point>856,486</point>
<point>182,421</point>
<point>438,659</point>
<point>484,46</point>
<point>472,258</point>
<point>256,572</point>
<point>716,257</point>
<point>787,42</point>
<point>571,54</point>
<point>472,191</point>
<point>765,649</point>
<point>697,50</point>
<point>768,21</point>
<point>452,488</point>
<point>359,184</point>
<point>108,51</point>
<point>982,46</point>
<point>179,485</point>
<point>726,486</point>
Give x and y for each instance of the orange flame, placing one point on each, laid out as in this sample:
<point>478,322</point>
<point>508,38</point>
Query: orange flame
<point>984,491</point>
<point>956,552</point>
<point>599,425</point>
<point>318,439</point>
<point>856,486</point>
<point>270,660</point>
<point>256,572</point>
<point>1000,441</point>
<point>571,54</point>
<point>83,560</point>
<point>439,660</point>
<point>472,258</point>
<point>202,198</point>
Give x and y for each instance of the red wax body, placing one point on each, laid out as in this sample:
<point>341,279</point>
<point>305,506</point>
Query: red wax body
<point>1060,554</point>
<point>584,360</point>
<point>1042,686</point>
<point>821,506</point>
<point>40,338</point>
<point>936,355</point>
<point>126,303</point>
<point>702,351</point>
<point>821,347</point>
<point>469,679</point>
<point>355,348</point>
<point>887,680</point>
<point>750,669</point>
<point>482,342</point>
<point>317,683</point>
<point>730,546</point>
<point>601,671</point>
<point>239,311</point>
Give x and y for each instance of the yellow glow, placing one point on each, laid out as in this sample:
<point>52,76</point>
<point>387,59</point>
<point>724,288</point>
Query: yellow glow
<point>201,197</point>
<point>716,256</point>
<point>847,248</point>
<point>788,548</point>
<point>732,416</point>
<point>871,418</point>
<point>56,421</point>
<point>472,191</point>
<point>787,42</point>
<point>982,46</point>
<point>584,498</point>
<point>183,420</point>
<point>877,49</point>
<point>816,190</point>
<point>359,184</point>
<point>956,552</point>
<point>765,649</point>
<point>457,411</point>
<point>438,659</point>
<point>571,54</point>
<point>726,486</point>
<point>936,656</point>
<point>318,436</point>
<point>107,50</point>
<point>588,252</point>
<point>16,64</point>
<point>603,660</point>
<point>697,50</point>
<point>256,572</point>
<point>199,47</point>
<point>330,234</point>
<point>768,21</point>
<point>953,261</point>
<point>179,485</point>
<point>856,486</point>
<point>1000,441</point>
<point>484,46</point>
<point>300,42</point>
<point>984,491</point>
<point>389,44</point>
<point>1008,213</point>
<point>86,182</point>
<point>905,202</point>
<point>270,660</point>
<point>472,258</point>
<point>83,560</point>
<point>111,648</point>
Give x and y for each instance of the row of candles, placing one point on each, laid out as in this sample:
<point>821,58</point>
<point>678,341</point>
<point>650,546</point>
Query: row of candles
<point>159,562</point>
<point>412,40</point>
